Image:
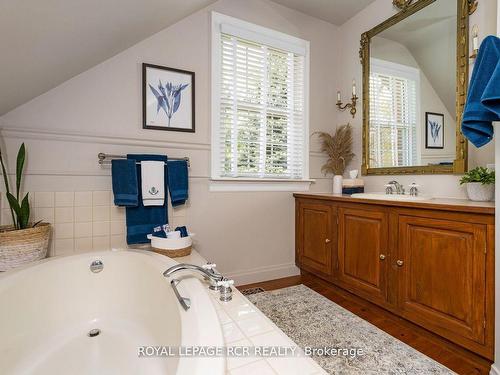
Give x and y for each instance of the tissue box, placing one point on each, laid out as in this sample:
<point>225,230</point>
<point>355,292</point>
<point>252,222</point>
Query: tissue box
<point>353,190</point>
<point>353,186</point>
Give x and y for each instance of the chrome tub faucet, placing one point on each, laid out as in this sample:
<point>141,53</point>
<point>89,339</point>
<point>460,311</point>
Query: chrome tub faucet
<point>217,281</point>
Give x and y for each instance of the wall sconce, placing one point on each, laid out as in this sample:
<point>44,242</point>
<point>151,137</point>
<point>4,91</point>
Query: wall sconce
<point>475,41</point>
<point>352,104</point>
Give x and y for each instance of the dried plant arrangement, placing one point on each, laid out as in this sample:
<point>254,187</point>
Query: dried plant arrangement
<point>338,148</point>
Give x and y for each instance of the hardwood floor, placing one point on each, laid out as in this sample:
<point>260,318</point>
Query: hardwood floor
<point>452,356</point>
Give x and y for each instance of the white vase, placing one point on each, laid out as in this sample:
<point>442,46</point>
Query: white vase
<point>337,184</point>
<point>479,192</point>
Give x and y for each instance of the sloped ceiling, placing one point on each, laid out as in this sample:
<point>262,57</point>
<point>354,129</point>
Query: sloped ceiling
<point>430,36</point>
<point>333,11</point>
<point>45,42</point>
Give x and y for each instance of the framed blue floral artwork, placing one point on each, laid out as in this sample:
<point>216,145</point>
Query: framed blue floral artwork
<point>167,98</point>
<point>434,130</point>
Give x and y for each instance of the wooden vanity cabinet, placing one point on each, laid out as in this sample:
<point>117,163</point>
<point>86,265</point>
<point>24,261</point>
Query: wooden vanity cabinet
<point>442,277</point>
<point>432,266</point>
<point>316,237</point>
<point>362,252</point>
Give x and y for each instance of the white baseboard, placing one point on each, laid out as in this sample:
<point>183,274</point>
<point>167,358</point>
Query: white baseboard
<point>265,273</point>
<point>494,369</point>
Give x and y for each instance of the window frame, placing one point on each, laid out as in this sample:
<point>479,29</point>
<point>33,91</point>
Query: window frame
<point>408,72</point>
<point>278,40</point>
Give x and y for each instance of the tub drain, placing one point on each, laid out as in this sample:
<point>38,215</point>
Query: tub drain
<point>94,332</point>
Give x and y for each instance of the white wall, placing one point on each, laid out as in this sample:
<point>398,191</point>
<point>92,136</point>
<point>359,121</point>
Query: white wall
<point>495,368</point>
<point>249,235</point>
<point>372,15</point>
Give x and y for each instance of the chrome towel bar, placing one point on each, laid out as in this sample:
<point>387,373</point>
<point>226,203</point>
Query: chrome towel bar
<point>104,159</point>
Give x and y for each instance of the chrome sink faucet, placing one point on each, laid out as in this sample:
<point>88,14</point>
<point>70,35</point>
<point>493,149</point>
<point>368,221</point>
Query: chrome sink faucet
<point>394,186</point>
<point>216,280</point>
<point>414,189</point>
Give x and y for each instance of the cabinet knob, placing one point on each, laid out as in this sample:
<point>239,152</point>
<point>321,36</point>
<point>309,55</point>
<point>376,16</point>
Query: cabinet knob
<point>327,241</point>
<point>399,263</point>
<point>382,256</point>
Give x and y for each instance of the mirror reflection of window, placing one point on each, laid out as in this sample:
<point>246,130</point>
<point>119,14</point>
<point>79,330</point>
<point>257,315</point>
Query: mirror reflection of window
<point>394,114</point>
<point>412,75</point>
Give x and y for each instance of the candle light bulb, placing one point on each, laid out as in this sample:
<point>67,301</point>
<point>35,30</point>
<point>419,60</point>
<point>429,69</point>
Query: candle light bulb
<point>475,39</point>
<point>475,30</point>
<point>353,87</point>
<point>338,96</point>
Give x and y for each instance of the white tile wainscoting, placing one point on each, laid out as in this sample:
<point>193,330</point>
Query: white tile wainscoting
<point>82,220</point>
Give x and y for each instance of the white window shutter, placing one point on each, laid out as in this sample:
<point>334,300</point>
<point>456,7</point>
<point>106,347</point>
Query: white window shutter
<point>393,120</point>
<point>261,111</point>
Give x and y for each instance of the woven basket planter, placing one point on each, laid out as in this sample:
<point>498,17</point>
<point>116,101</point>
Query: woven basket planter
<point>19,247</point>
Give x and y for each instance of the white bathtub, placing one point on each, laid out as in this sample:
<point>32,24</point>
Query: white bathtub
<point>48,309</point>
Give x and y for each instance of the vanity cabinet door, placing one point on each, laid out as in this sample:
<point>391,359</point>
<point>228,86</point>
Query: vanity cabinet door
<point>315,237</point>
<point>442,276</point>
<point>363,252</point>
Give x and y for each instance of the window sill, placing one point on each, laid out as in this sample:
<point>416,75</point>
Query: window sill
<point>256,184</point>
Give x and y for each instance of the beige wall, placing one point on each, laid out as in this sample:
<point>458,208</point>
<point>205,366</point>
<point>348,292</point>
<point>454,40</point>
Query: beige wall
<point>249,235</point>
<point>350,32</point>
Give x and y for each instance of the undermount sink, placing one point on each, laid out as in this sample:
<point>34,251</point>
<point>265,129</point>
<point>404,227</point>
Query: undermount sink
<point>390,197</point>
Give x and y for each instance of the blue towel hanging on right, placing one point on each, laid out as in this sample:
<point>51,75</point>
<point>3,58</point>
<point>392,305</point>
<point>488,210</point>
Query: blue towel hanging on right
<point>178,181</point>
<point>483,99</point>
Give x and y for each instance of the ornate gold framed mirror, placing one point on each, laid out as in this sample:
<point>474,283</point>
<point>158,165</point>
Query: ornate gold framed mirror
<point>415,75</point>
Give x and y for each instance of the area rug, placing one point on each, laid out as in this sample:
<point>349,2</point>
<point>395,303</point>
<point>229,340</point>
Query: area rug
<point>249,291</point>
<point>312,320</point>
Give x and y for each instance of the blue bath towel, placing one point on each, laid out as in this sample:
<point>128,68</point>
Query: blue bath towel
<point>178,181</point>
<point>124,179</point>
<point>141,220</point>
<point>483,100</point>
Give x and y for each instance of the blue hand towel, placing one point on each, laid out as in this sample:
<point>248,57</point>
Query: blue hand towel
<point>483,100</point>
<point>183,230</point>
<point>124,179</point>
<point>178,181</point>
<point>141,220</point>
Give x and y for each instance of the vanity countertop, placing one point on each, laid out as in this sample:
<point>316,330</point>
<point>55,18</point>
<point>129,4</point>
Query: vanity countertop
<point>444,204</point>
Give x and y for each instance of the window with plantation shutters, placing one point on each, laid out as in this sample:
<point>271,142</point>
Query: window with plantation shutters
<point>259,126</point>
<point>394,101</point>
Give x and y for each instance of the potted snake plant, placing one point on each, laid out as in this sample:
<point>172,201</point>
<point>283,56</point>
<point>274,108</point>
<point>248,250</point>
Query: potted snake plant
<point>22,241</point>
<point>480,184</point>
